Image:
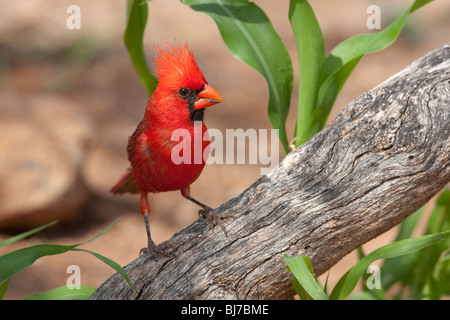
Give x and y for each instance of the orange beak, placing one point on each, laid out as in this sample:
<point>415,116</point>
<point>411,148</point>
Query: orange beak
<point>207,97</point>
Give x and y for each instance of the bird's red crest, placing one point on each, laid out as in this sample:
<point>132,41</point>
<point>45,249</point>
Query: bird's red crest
<point>177,67</point>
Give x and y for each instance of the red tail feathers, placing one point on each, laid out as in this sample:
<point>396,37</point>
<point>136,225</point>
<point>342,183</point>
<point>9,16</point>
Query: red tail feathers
<point>126,184</point>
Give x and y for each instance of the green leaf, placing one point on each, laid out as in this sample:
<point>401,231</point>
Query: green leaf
<point>440,216</point>
<point>25,234</point>
<point>110,263</point>
<point>301,268</point>
<point>362,44</point>
<point>3,288</point>
<point>364,295</point>
<point>444,198</point>
<point>408,225</point>
<point>325,286</point>
<point>64,293</point>
<point>393,270</point>
<point>137,11</point>
<point>328,92</point>
<point>14,262</point>
<point>375,293</point>
<point>101,233</point>
<point>345,56</point>
<point>348,282</point>
<point>251,38</point>
<point>361,253</point>
<point>442,274</point>
<point>311,58</point>
<point>422,278</point>
<point>417,270</point>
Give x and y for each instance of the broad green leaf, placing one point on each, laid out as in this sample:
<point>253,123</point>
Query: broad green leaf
<point>137,11</point>
<point>64,293</point>
<point>301,268</point>
<point>14,262</point>
<point>348,282</point>
<point>362,44</point>
<point>249,35</point>
<point>311,59</point>
<point>110,263</point>
<point>302,293</point>
<point>299,289</point>
<point>25,234</point>
<point>3,288</point>
<point>328,92</point>
<point>345,56</point>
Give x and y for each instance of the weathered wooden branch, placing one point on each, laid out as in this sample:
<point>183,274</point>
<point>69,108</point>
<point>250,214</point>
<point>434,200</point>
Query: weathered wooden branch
<point>381,159</point>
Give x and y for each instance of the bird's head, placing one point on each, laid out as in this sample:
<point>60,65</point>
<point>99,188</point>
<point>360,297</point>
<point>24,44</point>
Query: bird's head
<point>182,80</point>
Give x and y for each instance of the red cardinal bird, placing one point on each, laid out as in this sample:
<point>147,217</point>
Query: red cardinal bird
<point>178,101</point>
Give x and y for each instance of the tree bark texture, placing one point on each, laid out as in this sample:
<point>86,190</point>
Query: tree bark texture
<point>383,157</point>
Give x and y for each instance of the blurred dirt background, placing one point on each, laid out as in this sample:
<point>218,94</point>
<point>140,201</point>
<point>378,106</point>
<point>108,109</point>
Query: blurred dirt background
<point>69,99</point>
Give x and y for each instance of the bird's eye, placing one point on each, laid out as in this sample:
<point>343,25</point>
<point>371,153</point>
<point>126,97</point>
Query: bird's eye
<point>184,92</point>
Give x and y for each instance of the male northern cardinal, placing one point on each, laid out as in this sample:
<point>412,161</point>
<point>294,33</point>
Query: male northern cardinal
<point>178,101</point>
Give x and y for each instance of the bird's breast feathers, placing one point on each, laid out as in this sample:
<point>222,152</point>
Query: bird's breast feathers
<point>165,161</point>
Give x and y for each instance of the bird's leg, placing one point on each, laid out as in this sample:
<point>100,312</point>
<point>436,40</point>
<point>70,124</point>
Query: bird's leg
<point>145,210</point>
<point>151,246</point>
<point>208,212</point>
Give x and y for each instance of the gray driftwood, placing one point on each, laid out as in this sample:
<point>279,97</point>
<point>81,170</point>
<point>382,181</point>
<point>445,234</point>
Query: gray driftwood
<point>381,159</point>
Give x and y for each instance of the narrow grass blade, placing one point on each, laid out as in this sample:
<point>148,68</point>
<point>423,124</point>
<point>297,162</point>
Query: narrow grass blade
<point>305,276</point>
<point>137,11</point>
<point>25,234</point>
<point>348,282</point>
<point>64,293</point>
<point>249,35</point>
<point>325,286</point>
<point>311,58</point>
<point>14,262</point>
<point>103,232</point>
<point>110,263</point>
<point>408,225</point>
